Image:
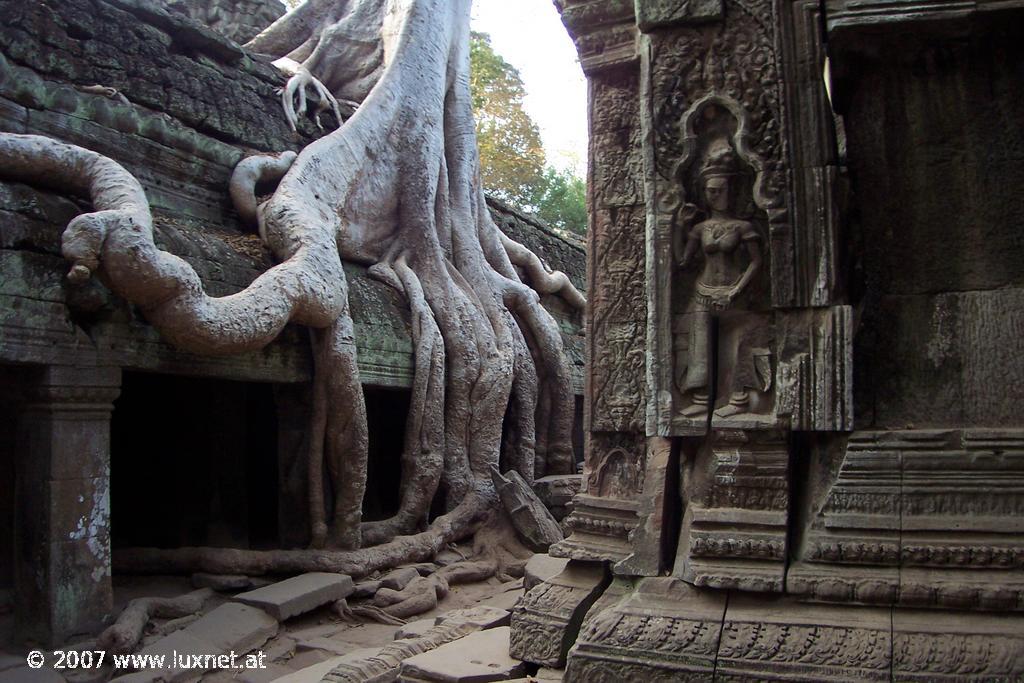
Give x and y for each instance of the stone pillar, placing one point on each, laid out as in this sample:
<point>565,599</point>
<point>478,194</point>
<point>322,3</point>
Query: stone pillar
<point>62,493</point>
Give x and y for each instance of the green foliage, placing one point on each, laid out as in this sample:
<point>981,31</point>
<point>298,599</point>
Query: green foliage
<point>562,201</point>
<point>513,165</point>
<point>511,153</point>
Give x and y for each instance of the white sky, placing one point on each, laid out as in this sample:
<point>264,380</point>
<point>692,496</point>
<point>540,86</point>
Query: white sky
<point>530,36</point>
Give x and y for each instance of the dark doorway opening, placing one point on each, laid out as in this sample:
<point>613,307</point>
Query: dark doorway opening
<point>193,462</point>
<point>386,414</point>
<point>9,396</point>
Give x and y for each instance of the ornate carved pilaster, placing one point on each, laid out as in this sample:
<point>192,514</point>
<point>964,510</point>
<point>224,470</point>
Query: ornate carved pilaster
<point>62,525</point>
<point>604,513</point>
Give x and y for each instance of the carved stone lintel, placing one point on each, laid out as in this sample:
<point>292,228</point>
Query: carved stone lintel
<point>546,620</point>
<point>652,14</point>
<point>604,32</point>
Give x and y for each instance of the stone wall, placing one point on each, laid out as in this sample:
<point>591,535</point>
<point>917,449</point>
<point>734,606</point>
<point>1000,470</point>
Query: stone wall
<point>857,515</point>
<point>942,258</point>
<point>239,20</point>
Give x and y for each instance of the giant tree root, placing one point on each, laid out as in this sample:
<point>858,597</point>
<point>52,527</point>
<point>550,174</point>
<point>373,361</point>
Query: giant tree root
<point>458,524</point>
<point>127,631</point>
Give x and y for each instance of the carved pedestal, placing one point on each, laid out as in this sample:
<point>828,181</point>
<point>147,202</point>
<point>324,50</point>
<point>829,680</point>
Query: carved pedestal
<point>928,518</point>
<point>62,524</point>
<point>666,630</point>
<point>734,527</point>
<point>546,620</point>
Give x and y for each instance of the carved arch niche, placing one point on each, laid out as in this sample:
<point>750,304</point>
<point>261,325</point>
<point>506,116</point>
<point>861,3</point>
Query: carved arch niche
<point>735,341</point>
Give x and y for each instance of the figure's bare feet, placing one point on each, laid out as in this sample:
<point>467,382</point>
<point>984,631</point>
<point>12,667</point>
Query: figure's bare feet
<point>698,408</point>
<point>729,410</point>
<point>739,402</point>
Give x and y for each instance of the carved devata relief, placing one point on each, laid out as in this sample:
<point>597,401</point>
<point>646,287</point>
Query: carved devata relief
<point>720,333</point>
<point>717,184</point>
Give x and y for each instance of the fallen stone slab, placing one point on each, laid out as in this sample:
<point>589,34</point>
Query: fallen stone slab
<point>477,658</point>
<point>479,617</point>
<point>229,628</point>
<point>531,519</point>
<point>272,672</point>
<point>399,578</point>
<point>549,674</point>
<point>299,594</point>
<point>318,631</point>
<point>542,567</point>
<point>318,672</point>
<point>415,629</point>
<point>386,663</point>
<point>335,647</point>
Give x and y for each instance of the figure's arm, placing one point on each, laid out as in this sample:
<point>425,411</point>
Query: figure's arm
<point>754,251</point>
<point>682,228</point>
<point>692,243</point>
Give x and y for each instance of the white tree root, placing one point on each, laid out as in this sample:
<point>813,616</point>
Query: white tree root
<point>249,172</point>
<point>127,631</point>
<point>542,278</point>
<point>397,185</point>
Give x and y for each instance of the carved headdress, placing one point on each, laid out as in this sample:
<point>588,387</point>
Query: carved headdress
<point>721,162</point>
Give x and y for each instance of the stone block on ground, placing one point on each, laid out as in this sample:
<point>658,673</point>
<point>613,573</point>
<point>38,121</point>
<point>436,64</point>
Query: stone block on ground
<point>317,672</point>
<point>506,599</point>
<point>331,645</point>
<point>531,519</point>
<point>414,629</point>
<point>547,619</point>
<point>272,672</point>
<point>549,674</point>
<point>542,567</point>
<point>399,578</point>
<point>477,658</point>
<point>365,589</point>
<point>311,674</point>
<point>481,616</point>
<point>228,628</point>
<point>299,594</point>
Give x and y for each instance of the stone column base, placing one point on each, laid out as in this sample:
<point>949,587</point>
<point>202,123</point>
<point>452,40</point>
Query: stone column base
<point>667,630</point>
<point>546,620</point>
